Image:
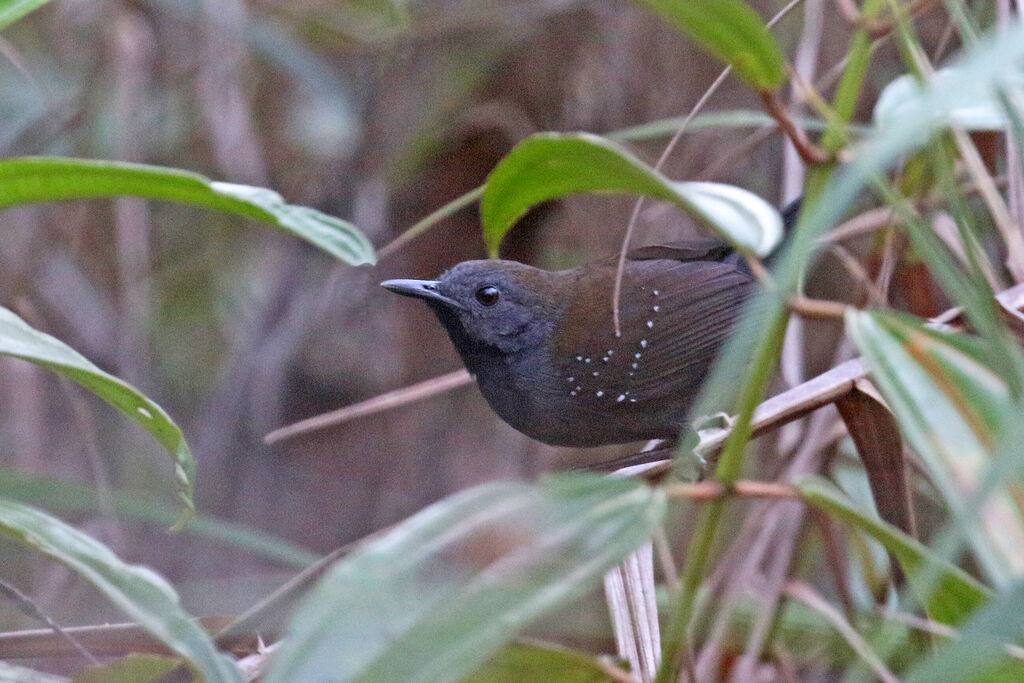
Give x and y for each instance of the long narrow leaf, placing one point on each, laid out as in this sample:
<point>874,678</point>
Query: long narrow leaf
<point>433,598</point>
<point>12,10</point>
<point>949,600</point>
<point>951,407</point>
<point>137,591</point>
<point>28,180</point>
<point>21,340</point>
<point>61,497</point>
<point>551,165</point>
<point>731,31</point>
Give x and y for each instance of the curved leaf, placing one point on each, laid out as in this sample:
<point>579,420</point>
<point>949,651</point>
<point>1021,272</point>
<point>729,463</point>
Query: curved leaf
<point>12,10</point>
<point>951,407</point>
<point>27,180</point>
<point>551,165</point>
<point>950,599</point>
<point>20,340</point>
<point>434,597</point>
<point>981,112</point>
<point>137,591</point>
<point>731,31</point>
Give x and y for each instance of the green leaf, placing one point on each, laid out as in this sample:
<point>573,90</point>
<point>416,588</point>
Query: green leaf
<point>733,32</point>
<point>950,599</point>
<point>131,669</point>
<point>531,662</point>
<point>951,407</point>
<point>27,180</point>
<point>60,496</point>
<point>12,10</point>
<point>551,165</point>
<point>435,596</point>
<point>137,591</point>
<point>20,340</point>
<point>979,654</point>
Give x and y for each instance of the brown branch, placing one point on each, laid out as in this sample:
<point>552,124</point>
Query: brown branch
<point>817,309</point>
<point>104,640</point>
<point>386,401</point>
<point>711,489</point>
<point>810,153</point>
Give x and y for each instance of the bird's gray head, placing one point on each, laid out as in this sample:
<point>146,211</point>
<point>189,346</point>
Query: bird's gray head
<point>501,304</point>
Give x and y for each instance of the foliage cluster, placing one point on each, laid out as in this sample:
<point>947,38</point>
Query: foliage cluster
<point>443,594</point>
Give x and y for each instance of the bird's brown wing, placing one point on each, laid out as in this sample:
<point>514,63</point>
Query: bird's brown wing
<point>675,314</point>
<point>697,305</point>
<point>699,249</point>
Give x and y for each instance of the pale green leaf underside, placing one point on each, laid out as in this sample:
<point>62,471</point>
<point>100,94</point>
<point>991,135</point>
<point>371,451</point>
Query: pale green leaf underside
<point>950,407</point>
<point>137,591</point>
<point>435,596</point>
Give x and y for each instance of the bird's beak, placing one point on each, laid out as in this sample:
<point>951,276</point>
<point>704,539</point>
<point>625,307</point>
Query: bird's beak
<point>421,289</point>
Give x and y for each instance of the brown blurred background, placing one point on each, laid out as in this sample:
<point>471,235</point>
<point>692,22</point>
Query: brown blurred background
<point>375,111</point>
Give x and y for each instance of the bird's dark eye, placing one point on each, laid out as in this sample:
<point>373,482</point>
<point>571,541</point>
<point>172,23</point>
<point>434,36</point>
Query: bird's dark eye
<point>488,296</point>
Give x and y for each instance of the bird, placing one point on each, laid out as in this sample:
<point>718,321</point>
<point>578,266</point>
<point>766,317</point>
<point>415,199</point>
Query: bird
<point>544,351</point>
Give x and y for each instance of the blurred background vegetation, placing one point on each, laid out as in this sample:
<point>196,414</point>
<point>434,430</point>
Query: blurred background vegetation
<point>377,111</point>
